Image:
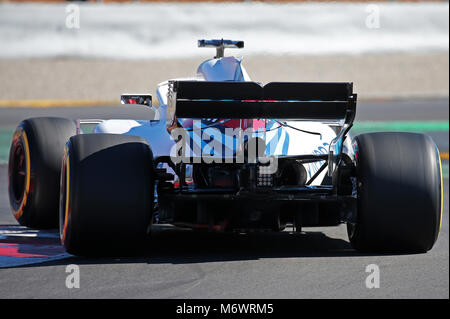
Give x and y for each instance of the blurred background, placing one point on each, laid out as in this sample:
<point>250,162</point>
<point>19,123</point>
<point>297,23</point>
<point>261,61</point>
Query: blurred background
<point>69,53</point>
<point>99,49</point>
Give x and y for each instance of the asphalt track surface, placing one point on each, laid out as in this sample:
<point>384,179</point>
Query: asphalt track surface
<point>318,263</point>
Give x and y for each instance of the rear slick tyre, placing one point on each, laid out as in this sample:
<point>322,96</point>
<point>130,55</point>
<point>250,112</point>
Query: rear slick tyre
<point>400,195</point>
<point>107,193</point>
<point>34,170</point>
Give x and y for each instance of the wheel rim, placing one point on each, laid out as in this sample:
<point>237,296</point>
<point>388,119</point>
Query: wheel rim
<point>64,196</point>
<point>18,173</point>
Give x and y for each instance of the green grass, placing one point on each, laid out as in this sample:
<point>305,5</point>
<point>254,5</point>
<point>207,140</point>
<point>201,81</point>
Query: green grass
<point>429,126</point>
<point>5,140</point>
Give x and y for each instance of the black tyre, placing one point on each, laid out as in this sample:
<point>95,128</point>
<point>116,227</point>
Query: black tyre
<point>107,193</point>
<point>399,193</point>
<point>34,170</point>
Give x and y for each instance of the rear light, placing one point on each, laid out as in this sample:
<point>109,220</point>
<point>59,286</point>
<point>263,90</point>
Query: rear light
<point>264,178</point>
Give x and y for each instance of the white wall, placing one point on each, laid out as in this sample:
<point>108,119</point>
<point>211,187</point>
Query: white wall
<point>171,30</point>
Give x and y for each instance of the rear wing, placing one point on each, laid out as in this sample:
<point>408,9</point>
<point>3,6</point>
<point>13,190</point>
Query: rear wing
<point>324,101</point>
<point>331,101</point>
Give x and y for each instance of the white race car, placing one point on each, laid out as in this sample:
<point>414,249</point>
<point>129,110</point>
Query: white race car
<point>223,153</point>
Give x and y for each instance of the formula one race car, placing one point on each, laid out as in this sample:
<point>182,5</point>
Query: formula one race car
<point>222,153</point>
